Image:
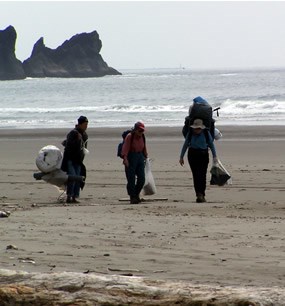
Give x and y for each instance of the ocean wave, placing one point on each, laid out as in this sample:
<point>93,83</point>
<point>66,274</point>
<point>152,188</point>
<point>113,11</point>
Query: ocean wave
<point>106,108</point>
<point>156,96</point>
<point>231,108</point>
<point>228,74</point>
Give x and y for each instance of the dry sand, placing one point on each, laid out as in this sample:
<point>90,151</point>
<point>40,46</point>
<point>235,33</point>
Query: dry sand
<point>236,238</point>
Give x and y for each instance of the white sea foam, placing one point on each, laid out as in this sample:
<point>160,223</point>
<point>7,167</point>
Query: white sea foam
<point>158,97</point>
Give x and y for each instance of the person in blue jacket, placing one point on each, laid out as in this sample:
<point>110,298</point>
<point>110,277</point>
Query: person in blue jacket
<point>198,141</point>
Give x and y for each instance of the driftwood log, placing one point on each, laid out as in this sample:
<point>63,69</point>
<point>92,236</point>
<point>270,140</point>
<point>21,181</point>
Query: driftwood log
<point>78,289</point>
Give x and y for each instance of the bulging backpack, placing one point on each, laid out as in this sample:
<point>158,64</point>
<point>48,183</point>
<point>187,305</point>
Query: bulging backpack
<point>200,109</point>
<point>120,145</point>
<point>124,135</point>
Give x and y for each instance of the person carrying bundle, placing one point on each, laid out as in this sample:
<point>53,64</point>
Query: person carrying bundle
<point>198,141</point>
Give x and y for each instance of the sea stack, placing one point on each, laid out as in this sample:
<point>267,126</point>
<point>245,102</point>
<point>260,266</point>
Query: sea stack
<point>78,57</point>
<point>10,67</point>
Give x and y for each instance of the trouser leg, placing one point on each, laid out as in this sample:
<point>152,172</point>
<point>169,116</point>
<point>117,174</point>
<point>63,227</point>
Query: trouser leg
<point>73,187</point>
<point>198,161</point>
<point>135,174</point>
<point>140,173</point>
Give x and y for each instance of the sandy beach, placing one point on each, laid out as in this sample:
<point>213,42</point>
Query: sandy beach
<point>236,238</point>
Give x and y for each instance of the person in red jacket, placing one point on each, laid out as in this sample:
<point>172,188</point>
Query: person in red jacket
<point>134,153</point>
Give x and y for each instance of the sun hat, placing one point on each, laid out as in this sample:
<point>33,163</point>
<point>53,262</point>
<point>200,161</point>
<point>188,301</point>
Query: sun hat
<point>82,119</point>
<point>198,124</point>
<point>139,126</point>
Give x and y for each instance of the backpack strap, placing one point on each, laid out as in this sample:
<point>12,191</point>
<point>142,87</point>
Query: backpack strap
<point>143,136</point>
<point>206,133</point>
<point>189,134</point>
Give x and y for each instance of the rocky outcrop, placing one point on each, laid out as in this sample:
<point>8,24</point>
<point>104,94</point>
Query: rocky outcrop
<point>10,67</point>
<point>78,57</point>
<point>83,289</point>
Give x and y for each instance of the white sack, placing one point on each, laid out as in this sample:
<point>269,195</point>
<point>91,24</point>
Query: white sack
<point>49,159</point>
<point>58,178</point>
<point>218,134</point>
<point>149,186</point>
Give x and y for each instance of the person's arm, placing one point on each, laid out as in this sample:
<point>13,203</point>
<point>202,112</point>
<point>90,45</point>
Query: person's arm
<point>145,149</point>
<point>212,147</point>
<point>183,150</point>
<point>73,143</point>
<point>126,149</point>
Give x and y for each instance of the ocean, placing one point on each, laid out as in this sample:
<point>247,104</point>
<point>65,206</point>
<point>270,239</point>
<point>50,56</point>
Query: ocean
<point>158,97</point>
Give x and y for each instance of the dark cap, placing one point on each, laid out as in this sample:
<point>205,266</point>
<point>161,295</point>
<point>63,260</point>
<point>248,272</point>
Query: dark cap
<point>82,119</point>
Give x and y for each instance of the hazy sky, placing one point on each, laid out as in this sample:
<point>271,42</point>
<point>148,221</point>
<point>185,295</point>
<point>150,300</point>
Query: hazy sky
<point>158,34</point>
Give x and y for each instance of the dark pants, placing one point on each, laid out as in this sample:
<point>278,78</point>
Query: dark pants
<point>198,161</point>
<point>73,187</point>
<point>135,174</point>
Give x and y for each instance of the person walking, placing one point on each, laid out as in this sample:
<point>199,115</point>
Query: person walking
<point>198,141</point>
<point>134,153</point>
<point>73,156</point>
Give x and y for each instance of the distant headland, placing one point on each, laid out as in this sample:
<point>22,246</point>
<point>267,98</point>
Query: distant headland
<point>78,57</point>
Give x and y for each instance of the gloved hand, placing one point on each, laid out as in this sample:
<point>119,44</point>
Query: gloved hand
<point>215,160</point>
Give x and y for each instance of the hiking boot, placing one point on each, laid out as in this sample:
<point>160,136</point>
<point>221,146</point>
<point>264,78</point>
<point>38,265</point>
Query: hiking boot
<point>200,199</point>
<point>139,199</point>
<point>74,200</point>
<point>68,200</point>
<point>134,200</point>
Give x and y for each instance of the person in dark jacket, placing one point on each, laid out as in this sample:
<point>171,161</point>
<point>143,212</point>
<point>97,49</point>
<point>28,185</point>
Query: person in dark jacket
<point>73,156</point>
<point>198,141</point>
<point>134,153</point>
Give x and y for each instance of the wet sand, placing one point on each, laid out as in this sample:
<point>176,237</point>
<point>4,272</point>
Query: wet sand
<point>236,238</point>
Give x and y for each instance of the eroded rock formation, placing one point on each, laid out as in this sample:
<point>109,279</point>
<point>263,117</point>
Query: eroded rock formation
<point>67,288</point>
<point>78,57</point>
<point>10,67</point>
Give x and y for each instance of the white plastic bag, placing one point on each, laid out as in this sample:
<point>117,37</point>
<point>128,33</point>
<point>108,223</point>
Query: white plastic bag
<point>218,134</point>
<point>219,175</point>
<point>149,186</point>
<point>49,159</point>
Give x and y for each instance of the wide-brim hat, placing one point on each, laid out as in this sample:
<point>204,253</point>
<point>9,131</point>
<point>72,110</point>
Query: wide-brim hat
<point>198,124</point>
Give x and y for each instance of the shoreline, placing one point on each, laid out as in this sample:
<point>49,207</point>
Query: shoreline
<point>229,132</point>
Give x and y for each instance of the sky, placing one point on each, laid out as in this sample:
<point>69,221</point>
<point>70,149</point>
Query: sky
<point>158,34</point>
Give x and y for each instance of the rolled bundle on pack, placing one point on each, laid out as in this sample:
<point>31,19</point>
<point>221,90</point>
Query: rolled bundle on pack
<point>49,159</point>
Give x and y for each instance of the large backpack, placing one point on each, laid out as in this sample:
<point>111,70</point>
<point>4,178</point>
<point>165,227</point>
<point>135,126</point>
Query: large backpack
<point>200,109</point>
<point>124,135</point>
<point>120,145</point>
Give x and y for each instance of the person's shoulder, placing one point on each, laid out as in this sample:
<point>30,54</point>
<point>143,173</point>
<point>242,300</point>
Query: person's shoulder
<point>129,135</point>
<point>72,132</point>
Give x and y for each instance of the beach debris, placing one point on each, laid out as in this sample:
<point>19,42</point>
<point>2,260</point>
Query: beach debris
<point>145,199</point>
<point>4,214</point>
<point>123,270</point>
<point>27,260</point>
<point>11,247</point>
<point>70,288</point>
